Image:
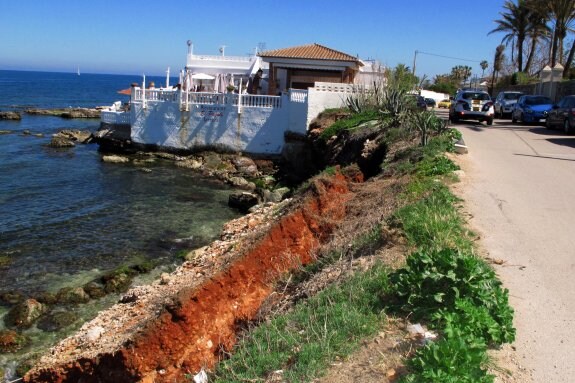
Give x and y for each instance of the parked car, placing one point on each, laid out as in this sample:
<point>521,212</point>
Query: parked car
<point>444,103</point>
<point>531,109</point>
<point>418,101</point>
<point>504,103</point>
<point>471,105</point>
<point>430,102</point>
<point>562,115</point>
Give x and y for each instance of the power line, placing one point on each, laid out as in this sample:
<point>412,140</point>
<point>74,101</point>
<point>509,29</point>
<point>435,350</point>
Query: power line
<point>448,57</point>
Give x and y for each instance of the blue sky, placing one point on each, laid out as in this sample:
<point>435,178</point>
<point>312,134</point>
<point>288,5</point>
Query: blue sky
<point>133,37</point>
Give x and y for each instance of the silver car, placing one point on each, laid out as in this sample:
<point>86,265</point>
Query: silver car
<point>504,103</point>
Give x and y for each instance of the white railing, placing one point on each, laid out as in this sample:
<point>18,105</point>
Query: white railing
<point>156,95</point>
<point>115,118</point>
<point>207,98</point>
<point>220,58</point>
<point>298,95</point>
<point>257,101</point>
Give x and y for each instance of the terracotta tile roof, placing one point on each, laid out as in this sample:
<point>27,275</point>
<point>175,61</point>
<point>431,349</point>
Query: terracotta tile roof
<point>310,51</point>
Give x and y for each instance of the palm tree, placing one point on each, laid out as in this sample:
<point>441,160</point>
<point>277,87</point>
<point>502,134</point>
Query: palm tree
<point>515,24</point>
<point>561,14</point>
<point>497,62</point>
<point>537,31</point>
<point>484,65</point>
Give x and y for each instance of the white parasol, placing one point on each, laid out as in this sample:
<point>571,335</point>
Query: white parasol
<point>220,83</point>
<point>202,76</point>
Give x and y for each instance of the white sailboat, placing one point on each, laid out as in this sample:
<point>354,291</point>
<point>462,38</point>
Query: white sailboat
<point>78,71</point>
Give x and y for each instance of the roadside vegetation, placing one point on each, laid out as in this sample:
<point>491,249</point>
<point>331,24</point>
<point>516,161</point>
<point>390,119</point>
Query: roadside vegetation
<point>441,283</point>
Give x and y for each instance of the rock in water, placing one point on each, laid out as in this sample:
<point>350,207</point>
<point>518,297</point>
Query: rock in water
<point>115,159</point>
<point>11,341</point>
<point>25,313</point>
<point>61,142</point>
<point>10,116</point>
<point>242,201</point>
<point>72,295</point>
<point>57,320</point>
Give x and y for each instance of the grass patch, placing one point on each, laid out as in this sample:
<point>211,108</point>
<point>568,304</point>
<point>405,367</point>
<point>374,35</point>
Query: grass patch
<point>432,220</point>
<point>303,342</point>
<point>349,123</point>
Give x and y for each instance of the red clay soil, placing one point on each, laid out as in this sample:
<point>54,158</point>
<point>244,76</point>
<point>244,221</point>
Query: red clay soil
<point>192,333</point>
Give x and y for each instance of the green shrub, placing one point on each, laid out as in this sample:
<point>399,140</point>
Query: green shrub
<point>455,359</point>
<point>437,166</point>
<point>349,123</point>
<point>432,283</point>
<point>427,123</point>
<point>494,326</point>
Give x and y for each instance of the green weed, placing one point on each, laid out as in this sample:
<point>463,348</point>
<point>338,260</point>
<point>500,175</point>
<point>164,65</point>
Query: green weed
<point>302,343</point>
<point>452,359</point>
<point>349,123</point>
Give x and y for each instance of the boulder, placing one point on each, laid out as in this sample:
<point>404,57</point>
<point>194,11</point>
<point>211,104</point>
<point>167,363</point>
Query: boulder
<point>25,313</point>
<point>56,321</point>
<point>81,113</point>
<point>72,295</point>
<point>168,156</point>
<point>76,135</point>
<point>245,166</point>
<point>115,159</point>
<point>46,298</point>
<point>276,195</point>
<point>61,142</point>
<point>11,341</point>
<point>242,183</point>
<point>94,289</point>
<point>190,163</point>
<point>10,116</point>
<point>11,297</point>
<point>213,161</point>
<point>118,283</point>
<point>243,201</point>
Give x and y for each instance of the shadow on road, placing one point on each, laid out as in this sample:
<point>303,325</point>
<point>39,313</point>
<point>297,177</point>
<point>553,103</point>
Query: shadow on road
<point>566,140</point>
<point>570,142</point>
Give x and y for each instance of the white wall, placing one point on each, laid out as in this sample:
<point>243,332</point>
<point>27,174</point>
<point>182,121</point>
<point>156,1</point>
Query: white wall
<point>324,96</point>
<point>254,130</point>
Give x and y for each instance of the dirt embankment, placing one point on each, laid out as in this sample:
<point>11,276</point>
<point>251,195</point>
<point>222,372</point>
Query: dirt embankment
<point>160,332</point>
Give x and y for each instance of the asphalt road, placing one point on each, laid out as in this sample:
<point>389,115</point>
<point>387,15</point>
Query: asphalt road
<point>519,187</point>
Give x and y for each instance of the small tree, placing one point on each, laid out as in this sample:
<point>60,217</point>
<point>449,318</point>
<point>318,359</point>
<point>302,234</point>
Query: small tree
<point>484,65</point>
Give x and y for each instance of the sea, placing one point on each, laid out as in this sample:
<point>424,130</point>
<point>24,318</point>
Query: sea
<point>67,218</point>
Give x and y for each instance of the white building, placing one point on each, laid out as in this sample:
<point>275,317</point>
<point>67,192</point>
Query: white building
<point>300,83</point>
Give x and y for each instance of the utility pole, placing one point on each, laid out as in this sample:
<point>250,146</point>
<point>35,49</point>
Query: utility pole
<point>414,62</point>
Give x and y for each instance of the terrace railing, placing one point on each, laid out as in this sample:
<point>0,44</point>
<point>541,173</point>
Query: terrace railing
<point>115,118</point>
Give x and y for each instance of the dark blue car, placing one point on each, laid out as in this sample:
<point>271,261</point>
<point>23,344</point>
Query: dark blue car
<point>531,109</point>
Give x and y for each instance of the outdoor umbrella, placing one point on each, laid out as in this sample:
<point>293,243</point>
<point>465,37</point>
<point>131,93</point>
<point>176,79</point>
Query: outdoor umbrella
<point>221,83</point>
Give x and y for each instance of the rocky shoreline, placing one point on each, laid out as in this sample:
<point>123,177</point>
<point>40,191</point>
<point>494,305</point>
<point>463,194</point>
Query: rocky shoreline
<point>57,112</point>
<point>66,112</point>
<point>182,321</point>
